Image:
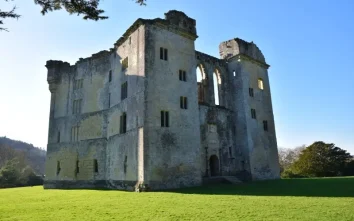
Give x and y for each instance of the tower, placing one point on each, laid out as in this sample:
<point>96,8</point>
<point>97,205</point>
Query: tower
<point>255,130</point>
<point>171,143</point>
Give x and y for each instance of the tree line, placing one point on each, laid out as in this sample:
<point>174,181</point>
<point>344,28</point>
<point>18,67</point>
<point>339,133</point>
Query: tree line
<point>320,159</point>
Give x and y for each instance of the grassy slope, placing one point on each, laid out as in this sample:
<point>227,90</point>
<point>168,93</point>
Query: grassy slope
<point>296,199</point>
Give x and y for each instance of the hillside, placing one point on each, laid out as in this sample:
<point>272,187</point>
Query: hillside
<point>34,156</point>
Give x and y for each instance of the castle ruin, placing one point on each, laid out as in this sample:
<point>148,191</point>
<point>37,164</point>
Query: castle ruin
<point>135,116</point>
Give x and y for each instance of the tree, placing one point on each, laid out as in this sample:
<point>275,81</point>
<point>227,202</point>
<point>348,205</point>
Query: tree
<point>288,156</point>
<point>88,8</point>
<point>321,159</point>
<point>10,174</point>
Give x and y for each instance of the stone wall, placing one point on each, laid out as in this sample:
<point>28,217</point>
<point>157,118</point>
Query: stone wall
<point>147,153</point>
<point>99,137</point>
<point>172,154</point>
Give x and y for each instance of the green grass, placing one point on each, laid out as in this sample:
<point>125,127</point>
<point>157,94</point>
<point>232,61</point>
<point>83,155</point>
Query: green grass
<point>288,199</point>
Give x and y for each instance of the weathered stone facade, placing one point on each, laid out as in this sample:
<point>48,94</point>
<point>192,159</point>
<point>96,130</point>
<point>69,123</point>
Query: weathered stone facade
<point>117,119</point>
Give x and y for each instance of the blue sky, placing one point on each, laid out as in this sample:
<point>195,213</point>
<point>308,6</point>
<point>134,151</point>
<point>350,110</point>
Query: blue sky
<point>309,45</point>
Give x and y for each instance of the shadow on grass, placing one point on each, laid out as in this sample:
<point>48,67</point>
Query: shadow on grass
<point>315,187</point>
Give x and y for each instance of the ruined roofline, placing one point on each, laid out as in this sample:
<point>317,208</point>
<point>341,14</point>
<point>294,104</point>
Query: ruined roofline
<point>237,47</point>
<point>246,57</point>
<point>208,58</point>
<point>170,18</point>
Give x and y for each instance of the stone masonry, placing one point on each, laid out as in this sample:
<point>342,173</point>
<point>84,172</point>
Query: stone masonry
<point>135,116</point>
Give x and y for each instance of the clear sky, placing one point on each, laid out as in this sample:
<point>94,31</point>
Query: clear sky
<point>309,45</point>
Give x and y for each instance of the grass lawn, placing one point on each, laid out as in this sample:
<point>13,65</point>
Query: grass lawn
<point>288,199</point>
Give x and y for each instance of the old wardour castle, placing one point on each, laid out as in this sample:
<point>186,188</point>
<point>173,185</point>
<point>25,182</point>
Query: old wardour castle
<point>135,116</point>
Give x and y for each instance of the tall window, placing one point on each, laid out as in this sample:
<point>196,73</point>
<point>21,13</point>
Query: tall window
<point>58,137</point>
<point>182,75</point>
<point>77,106</point>
<point>109,100</point>
<point>75,133</point>
<point>125,64</point>
<point>234,73</point>
<point>183,102</point>
<point>77,167</point>
<point>250,91</point>
<point>200,84</point>
<point>164,119</point>
<point>123,123</point>
<point>253,113</point>
<point>124,90</point>
<point>95,166</point>
<point>58,167</point>
<point>163,54</point>
<point>78,84</point>
<point>110,76</point>
<point>260,83</point>
<point>216,82</point>
<point>265,125</point>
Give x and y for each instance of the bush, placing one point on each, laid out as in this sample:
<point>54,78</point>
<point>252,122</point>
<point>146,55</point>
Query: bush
<point>290,174</point>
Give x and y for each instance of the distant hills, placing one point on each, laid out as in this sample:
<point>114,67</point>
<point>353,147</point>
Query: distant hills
<point>33,156</point>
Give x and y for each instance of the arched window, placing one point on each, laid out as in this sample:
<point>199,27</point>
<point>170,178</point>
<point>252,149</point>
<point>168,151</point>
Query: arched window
<point>201,84</point>
<point>217,83</point>
<point>199,74</point>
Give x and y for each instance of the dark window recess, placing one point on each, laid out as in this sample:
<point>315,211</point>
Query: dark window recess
<point>125,64</point>
<point>183,102</point>
<point>163,54</point>
<point>164,119</point>
<point>110,76</point>
<point>253,113</point>
<point>265,125</point>
<point>95,166</point>
<point>124,91</point>
<point>182,75</point>
<point>58,138</point>
<point>125,164</point>
<point>58,167</point>
<point>123,123</point>
<point>77,167</point>
<point>230,152</point>
<point>250,90</point>
<point>109,100</point>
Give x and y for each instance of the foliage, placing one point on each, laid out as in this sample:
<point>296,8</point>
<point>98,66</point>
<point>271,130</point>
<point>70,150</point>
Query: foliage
<point>316,199</point>
<point>88,8</point>
<point>14,173</point>
<point>10,174</point>
<point>26,153</point>
<point>288,156</point>
<point>16,162</point>
<point>7,14</point>
<point>319,160</point>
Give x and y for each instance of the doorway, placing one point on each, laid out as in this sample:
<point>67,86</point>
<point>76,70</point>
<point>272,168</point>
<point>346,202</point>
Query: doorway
<point>214,165</point>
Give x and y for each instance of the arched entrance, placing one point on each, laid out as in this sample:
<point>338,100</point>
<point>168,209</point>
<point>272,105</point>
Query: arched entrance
<point>214,165</point>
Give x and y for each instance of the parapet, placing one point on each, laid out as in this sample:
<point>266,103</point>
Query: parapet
<point>54,70</point>
<point>238,46</point>
<point>181,20</point>
<point>174,20</point>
